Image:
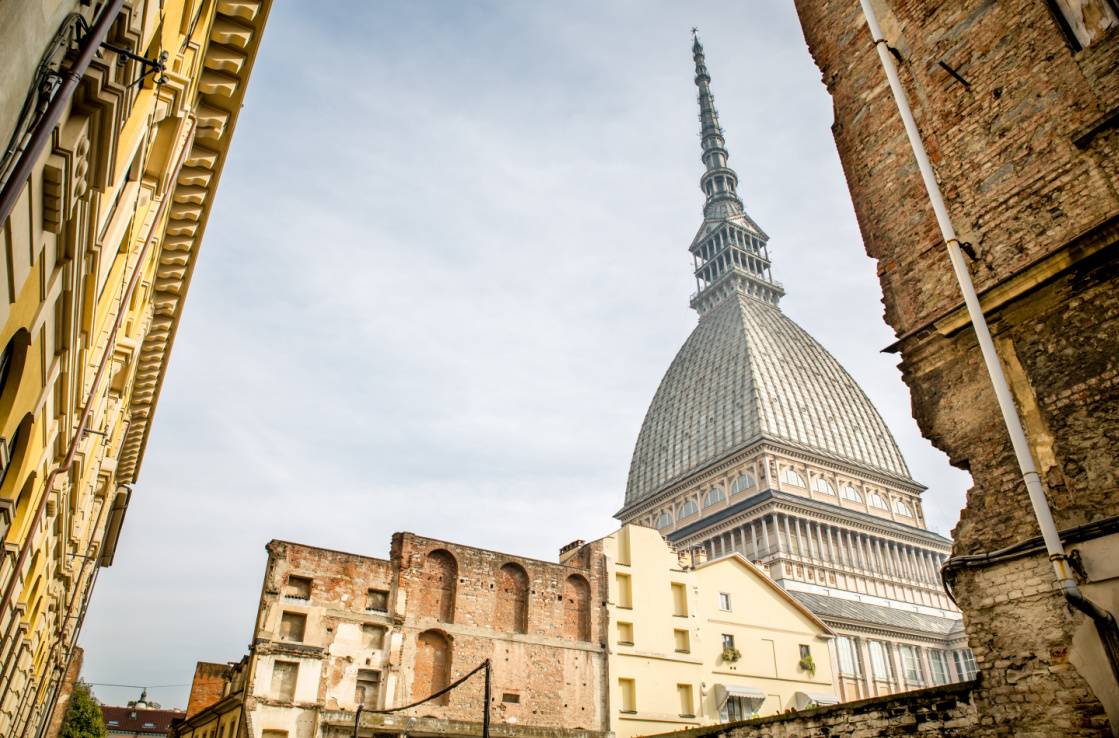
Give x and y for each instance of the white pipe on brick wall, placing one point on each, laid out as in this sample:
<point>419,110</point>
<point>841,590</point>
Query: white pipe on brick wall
<point>978,322</point>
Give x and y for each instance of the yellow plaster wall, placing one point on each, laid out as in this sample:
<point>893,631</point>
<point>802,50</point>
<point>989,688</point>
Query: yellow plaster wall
<point>768,629</point>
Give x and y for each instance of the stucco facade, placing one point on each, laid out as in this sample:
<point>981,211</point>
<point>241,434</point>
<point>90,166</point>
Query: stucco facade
<point>699,642</point>
<point>98,235</point>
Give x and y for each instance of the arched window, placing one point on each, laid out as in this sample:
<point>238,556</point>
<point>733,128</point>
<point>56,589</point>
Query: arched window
<point>576,608</point>
<point>876,500</point>
<point>744,482</point>
<point>688,508</point>
<point>664,522</point>
<point>850,493</point>
<point>714,496</point>
<point>438,594</point>
<point>433,666</point>
<point>789,476</point>
<point>822,485</point>
<point>902,509</point>
<point>511,607</point>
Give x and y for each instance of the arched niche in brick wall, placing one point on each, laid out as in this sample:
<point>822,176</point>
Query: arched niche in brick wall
<point>511,606</point>
<point>438,594</point>
<point>577,608</point>
<point>432,670</point>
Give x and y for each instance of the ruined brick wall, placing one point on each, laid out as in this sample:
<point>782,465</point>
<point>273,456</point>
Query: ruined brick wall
<point>335,628</point>
<point>546,643</point>
<point>940,711</point>
<point>208,686</point>
<point>1027,155</point>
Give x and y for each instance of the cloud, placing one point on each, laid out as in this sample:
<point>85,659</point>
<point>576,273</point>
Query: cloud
<point>446,269</point>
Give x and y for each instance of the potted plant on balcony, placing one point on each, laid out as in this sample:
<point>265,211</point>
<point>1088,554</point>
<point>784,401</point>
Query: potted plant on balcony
<point>807,664</point>
<point>731,654</point>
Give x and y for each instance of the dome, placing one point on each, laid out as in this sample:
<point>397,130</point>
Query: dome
<point>748,372</point>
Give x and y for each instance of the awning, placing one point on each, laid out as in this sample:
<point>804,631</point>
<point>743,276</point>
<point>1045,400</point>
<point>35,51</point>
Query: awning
<point>814,699</point>
<point>753,696</point>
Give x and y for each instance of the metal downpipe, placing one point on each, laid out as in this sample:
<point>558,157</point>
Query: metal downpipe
<point>1104,621</point>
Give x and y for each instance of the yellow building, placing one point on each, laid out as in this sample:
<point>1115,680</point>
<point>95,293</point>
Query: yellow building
<point>115,118</point>
<point>697,642</point>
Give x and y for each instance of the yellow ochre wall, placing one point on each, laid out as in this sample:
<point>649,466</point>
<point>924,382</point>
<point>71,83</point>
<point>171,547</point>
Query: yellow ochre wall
<point>130,165</point>
<point>767,625</point>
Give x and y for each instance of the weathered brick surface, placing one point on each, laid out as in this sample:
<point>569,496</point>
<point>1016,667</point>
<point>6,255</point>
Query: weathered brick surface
<point>448,608</point>
<point>1029,167</point>
<point>208,686</point>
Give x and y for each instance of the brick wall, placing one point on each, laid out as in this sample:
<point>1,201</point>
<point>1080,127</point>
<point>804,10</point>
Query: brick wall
<point>448,608</point>
<point>1027,155</point>
<point>208,686</point>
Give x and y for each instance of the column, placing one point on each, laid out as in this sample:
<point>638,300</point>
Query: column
<point>864,665</point>
<point>765,535</point>
<point>768,475</point>
<point>894,654</point>
<point>788,535</point>
<point>754,540</point>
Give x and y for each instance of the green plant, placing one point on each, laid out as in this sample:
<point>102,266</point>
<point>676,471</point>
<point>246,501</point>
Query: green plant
<point>731,654</point>
<point>83,716</point>
<point>808,665</point>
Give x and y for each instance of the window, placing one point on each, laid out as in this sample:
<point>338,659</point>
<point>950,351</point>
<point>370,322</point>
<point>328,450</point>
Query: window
<point>879,662</point>
<point>372,636</point>
<point>625,634</point>
<point>368,688</point>
<point>683,642</point>
<point>274,734</point>
<point>737,708</point>
<point>805,651</point>
<point>965,663</point>
<point>822,485</point>
<point>625,590</point>
<point>664,521</point>
<point>293,625</point>
<point>688,508</point>
<point>728,641</point>
<point>679,600</point>
<point>876,500</point>
<point>1084,22</point>
<point>910,664</point>
<point>845,648</point>
<point>714,497</point>
<point>511,698</point>
<point>939,666</point>
<point>789,476</point>
<point>377,600</point>
<point>298,588</point>
<point>902,509</point>
<point>743,483</point>
<point>687,708</point>
<point>850,493</point>
<point>628,691</point>
<point>284,675</point>
<point>724,601</point>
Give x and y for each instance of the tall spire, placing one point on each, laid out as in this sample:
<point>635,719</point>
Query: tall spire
<point>730,251</point>
<point>719,182</point>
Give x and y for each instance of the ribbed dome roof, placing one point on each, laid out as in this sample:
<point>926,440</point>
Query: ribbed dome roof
<point>746,372</point>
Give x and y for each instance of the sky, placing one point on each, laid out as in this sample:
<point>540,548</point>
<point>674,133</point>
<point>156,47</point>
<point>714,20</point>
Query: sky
<point>445,271</point>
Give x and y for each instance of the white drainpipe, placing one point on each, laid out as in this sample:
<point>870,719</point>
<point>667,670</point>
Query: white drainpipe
<point>998,380</point>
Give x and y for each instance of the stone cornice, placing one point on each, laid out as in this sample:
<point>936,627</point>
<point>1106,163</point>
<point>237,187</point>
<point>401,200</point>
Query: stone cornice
<point>762,445</point>
<point>231,48</point>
